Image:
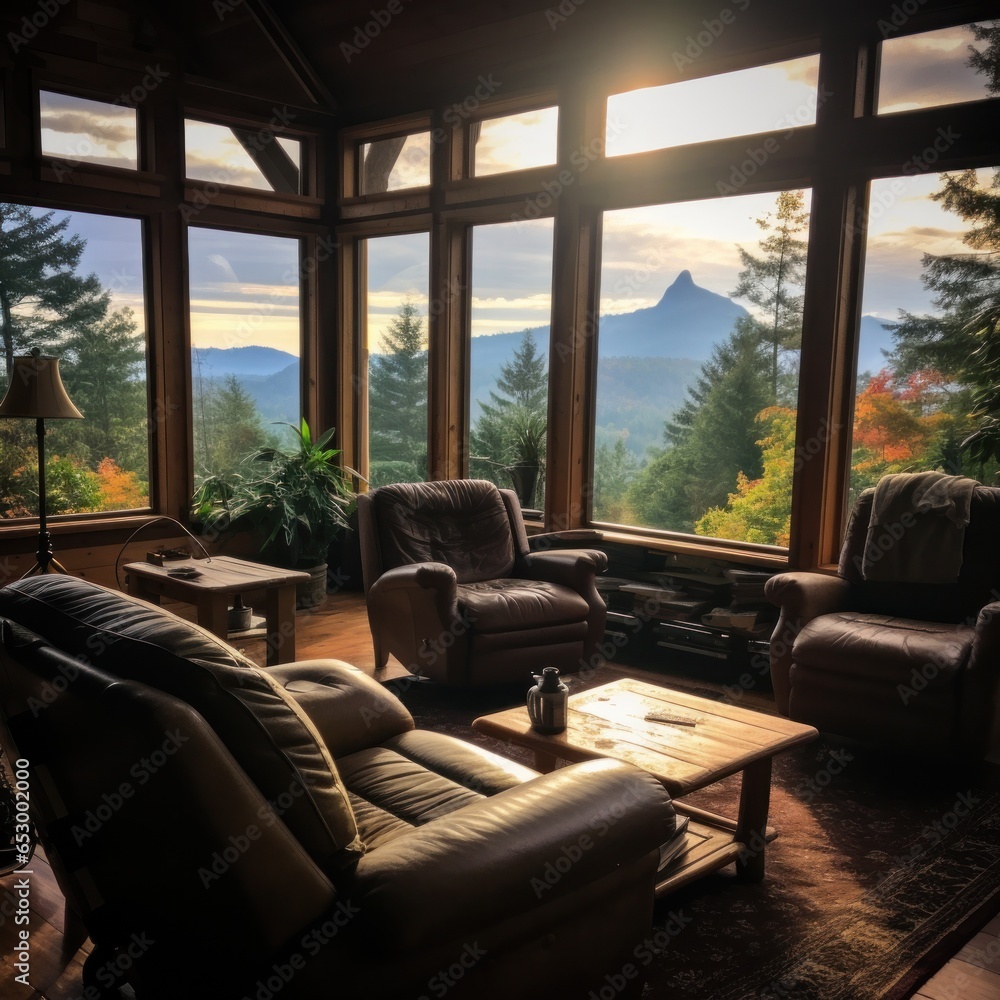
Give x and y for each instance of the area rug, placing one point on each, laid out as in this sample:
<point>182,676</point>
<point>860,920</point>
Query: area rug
<point>883,867</point>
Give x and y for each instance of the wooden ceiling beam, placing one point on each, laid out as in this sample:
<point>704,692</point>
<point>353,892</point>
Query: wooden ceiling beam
<point>290,54</point>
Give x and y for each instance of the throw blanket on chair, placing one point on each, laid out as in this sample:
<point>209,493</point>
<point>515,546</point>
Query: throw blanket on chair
<point>917,528</point>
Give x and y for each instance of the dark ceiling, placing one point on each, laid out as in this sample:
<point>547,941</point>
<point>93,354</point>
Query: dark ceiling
<point>374,58</point>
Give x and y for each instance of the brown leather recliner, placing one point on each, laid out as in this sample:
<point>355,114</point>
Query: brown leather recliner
<point>454,593</point>
<point>914,666</point>
<point>226,831</point>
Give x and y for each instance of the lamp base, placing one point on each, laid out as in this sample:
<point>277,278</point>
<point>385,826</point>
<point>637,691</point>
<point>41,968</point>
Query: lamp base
<point>45,561</point>
<point>50,565</point>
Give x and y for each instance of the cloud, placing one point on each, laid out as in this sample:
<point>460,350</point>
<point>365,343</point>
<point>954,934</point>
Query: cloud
<point>99,128</point>
<point>928,70</point>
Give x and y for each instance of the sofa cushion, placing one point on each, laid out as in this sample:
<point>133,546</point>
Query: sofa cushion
<point>884,647</point>
<point>510,605</point>
<point>419,776</point>
<point>460,522</point>
<point>264,728</point>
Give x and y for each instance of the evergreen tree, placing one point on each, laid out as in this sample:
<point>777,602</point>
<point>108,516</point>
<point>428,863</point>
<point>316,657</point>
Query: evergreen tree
<point>523,381</point>
<point>397,398</point>
<point>712,438</point>
<point>774,280</point>
<point>961,341</point>
<point>520,400</point>
<point>42,298</point>
<point>614,470</point>
<point>228,430</point>
<point>104,369</point>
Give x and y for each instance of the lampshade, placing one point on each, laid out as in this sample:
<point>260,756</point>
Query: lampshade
<point>36,390</point>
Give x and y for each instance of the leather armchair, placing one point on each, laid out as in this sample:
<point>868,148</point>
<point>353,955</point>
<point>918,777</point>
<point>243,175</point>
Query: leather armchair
<point>191,850</point>
<point>454,593</point>
<point>914,666</point>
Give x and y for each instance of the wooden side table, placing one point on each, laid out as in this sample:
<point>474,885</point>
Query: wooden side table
<point>219,579</point>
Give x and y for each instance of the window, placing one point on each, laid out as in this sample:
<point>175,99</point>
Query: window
<point>515,142</point>
<point>928,279</point>
<point>242,156</point>
<point>245,344</point>
<point>75,285</point>
<point>395,339</point>
<point>395,164</point>
<point>509,381</point>
<point>772,98</point>
<point>698,345</point>
<point>935,68</point>
<point>85,131</point>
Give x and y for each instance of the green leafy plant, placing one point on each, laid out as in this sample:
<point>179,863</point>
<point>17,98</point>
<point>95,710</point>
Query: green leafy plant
<point>528,436</point>
<point>296,501</point>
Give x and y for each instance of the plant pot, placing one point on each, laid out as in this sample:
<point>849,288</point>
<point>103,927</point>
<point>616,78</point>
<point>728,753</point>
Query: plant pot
<point>524,478</point>
<point>311,593</point>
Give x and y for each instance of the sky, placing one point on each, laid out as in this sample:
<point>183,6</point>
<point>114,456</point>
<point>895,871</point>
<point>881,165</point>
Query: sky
<point>244,287</point>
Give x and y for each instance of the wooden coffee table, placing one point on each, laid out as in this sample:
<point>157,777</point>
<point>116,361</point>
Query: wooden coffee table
<point>608,721</point>
<point>220,578</point>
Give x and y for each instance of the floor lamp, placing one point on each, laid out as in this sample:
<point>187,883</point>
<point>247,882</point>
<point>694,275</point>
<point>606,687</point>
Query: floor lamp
<point>36,390</point>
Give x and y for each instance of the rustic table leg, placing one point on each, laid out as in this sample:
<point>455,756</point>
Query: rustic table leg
<point>140,587</point>
<point>751,826</point>
<point>279,603</point>
<point>213,612</point>
<point>545,761</point>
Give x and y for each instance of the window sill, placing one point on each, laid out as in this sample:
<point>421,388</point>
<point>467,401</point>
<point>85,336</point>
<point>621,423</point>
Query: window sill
<point>703,550</point>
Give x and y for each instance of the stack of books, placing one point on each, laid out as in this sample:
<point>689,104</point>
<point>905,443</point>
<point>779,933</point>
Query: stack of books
<point>677,845</point>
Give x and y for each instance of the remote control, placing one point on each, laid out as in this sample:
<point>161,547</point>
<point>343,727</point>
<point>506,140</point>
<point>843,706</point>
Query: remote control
<point>670,720</point>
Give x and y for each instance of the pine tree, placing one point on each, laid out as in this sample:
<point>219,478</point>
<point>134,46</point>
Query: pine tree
<point>522,388</point>
<point>397,395</point>
<point>523,381</point>
<point>104,369</point>
<point>42,298</point>
<point>773,281</point>
<point>712,438</point>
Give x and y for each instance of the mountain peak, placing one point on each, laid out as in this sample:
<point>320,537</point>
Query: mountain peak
<point>683,288</point>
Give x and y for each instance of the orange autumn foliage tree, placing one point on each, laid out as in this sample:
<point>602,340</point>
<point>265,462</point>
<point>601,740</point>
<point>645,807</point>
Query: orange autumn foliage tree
<point>759,510</point>
<point>120,490</point>
<point>885,426</point>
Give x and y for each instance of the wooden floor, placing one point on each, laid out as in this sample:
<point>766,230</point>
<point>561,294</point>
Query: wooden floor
<point>339,629</point>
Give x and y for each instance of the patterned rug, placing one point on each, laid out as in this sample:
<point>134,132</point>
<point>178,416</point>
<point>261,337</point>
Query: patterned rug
<point>882,868</point>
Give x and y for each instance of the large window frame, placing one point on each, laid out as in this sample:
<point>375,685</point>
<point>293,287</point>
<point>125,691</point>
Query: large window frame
<point>810,157</point>
<point>158,194</point>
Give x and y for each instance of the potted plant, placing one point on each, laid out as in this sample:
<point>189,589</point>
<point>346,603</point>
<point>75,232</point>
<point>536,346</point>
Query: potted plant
<point>528,435</point>
<point>296,501</point>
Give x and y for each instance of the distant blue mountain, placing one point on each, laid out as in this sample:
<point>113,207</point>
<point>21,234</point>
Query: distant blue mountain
<point>217,362</point>
<point>686,323</point>
<point>648,358</point>
<point>875,339</point>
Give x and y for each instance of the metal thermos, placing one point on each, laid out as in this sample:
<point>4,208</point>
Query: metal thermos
<point>547,702</point>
